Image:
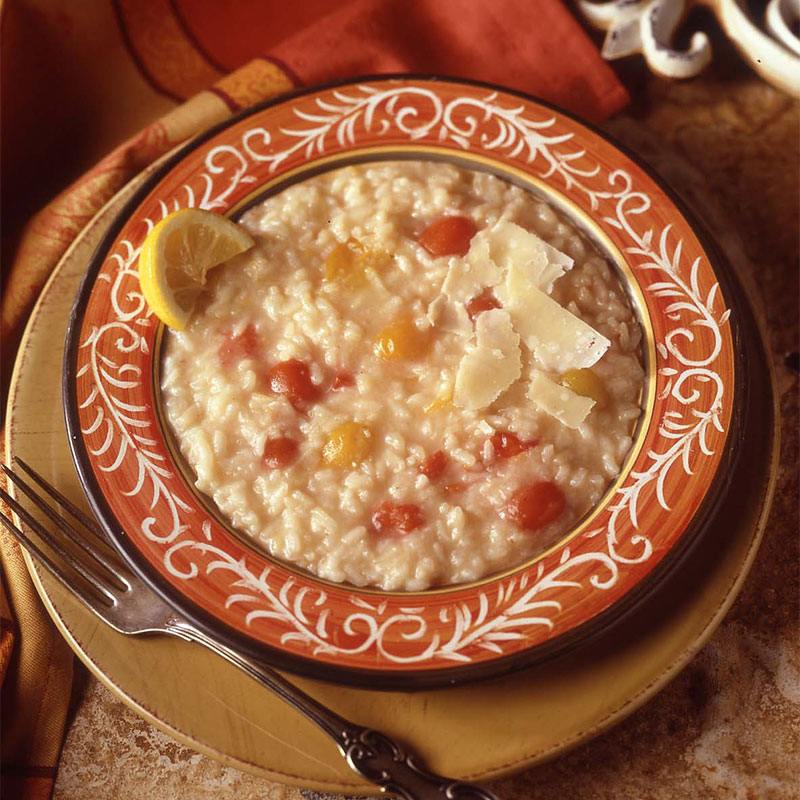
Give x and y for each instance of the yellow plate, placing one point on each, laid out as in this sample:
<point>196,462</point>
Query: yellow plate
<point>477,731</point>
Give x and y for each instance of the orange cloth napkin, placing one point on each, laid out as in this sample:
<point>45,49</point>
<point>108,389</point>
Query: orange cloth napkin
<point>94,73</point>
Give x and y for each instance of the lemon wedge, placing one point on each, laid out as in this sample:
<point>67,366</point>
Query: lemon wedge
<point>177,255</point>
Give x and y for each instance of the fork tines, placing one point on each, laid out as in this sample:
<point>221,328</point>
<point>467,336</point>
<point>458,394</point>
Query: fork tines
<point>101,570</point>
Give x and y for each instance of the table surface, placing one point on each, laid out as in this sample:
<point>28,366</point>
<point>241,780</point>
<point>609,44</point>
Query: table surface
<point>729,726</point>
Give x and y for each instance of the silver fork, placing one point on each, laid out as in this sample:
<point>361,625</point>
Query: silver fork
<point>112,592</point>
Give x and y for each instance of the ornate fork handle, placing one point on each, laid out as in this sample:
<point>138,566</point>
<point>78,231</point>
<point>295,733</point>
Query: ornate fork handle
<point>370,753</point>
<point>381,760</point>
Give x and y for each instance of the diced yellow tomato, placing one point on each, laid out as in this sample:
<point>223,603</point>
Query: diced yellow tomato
<point>340,266</point>
<point>348,263</point>
<point>587,384</point>
<point>347,446</point>
<point>442,401</point>
<point>402,340</point>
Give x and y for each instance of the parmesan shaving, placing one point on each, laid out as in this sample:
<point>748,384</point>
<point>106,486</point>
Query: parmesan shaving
<point>467,276</point>
<point>449,317</point>
<point>492,365</point>
<point>566,406</point>
<point>513,246</point>
<point>495,250</point>
<point>557,339</point>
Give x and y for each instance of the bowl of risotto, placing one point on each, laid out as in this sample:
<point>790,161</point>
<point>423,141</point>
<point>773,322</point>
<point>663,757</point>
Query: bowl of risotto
<point>461,402</point>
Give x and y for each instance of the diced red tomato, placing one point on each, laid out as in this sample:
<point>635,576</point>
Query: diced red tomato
<point>485,301</point>
<point>434,465</point>
<point>534,506</point>
<point>507,445</point>
<point>448,236</point>
<point>389,519</point>
<point>455,488</point>
<point>342,380</point>
<point>292,379</point>
<point>243,345</point>
<point>280,452</point>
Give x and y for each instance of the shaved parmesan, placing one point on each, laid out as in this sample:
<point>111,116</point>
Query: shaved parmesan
<point>493,251</point>
<point>467,276</point>
<point>509,245</point>
<point>566,406</point>
<point>449,317</point>
<point>557,339</point>
<point>490,367</point>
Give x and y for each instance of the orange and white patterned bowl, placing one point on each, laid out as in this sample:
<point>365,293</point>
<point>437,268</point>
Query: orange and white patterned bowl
<point>670,483</point>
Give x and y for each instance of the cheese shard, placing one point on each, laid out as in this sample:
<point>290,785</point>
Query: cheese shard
<point>492,365</point>
<point>449,317</point>
<point>493,251</point>
<point>557,339</point>
<point>566,406</point>
<point>470,274</point>
<point>513,246</point>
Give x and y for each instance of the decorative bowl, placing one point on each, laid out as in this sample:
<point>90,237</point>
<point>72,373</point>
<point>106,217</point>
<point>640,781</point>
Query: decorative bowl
<point>602,569</point>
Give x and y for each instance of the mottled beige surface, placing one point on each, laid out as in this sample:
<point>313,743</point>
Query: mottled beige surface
<point>729,726</point>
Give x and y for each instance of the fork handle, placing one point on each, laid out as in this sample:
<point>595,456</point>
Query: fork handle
<point>372,754</point>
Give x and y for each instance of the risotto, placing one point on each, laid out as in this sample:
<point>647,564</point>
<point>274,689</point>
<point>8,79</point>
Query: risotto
<point>418,376</point>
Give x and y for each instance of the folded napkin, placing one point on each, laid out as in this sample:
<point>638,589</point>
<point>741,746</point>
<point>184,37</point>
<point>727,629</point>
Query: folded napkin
<point>123,64</point>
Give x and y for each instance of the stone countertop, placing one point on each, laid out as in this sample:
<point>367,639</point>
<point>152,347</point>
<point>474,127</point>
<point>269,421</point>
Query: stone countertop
<point>728,726</point>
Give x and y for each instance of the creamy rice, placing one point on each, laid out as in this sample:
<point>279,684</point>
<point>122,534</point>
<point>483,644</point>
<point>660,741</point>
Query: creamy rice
<point>318,515</point>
